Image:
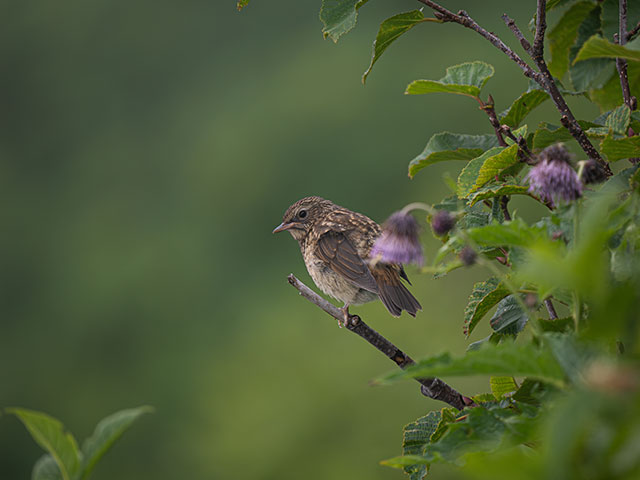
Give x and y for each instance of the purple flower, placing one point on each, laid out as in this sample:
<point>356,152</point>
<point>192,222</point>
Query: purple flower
<point>399,242</point>
<point>442,222</point>
<point>592,172</point>
<point>468,255</point>
<point>553,178</point>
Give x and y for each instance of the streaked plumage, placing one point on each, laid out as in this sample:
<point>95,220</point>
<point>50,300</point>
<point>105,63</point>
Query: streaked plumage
<point>336,245</point>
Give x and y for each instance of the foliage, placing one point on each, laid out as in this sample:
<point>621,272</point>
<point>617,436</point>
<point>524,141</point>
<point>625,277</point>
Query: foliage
<point>64,460</point>
<point>563,402</point>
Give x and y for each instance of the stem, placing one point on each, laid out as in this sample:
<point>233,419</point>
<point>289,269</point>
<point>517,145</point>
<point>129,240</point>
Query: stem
<point>418,206</point>
<point>430,387</point>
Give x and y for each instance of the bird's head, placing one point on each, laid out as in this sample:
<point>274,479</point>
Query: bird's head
<point>302,215</point>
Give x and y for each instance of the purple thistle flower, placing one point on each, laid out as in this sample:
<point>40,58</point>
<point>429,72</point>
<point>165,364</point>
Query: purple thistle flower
<point>442,222</point>
<point>468,255</point>
<point>553,178</point>
<point>592,172</point>
<point>399,242</point>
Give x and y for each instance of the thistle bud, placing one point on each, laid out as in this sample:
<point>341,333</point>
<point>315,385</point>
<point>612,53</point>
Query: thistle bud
<point>468,256</point>
<point>442,222</point>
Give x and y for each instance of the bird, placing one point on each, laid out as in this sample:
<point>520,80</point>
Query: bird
<point>336,246</point>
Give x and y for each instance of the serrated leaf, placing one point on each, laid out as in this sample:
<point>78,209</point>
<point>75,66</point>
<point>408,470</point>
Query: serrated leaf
<point>491,191</point>
<point>339,16</point>
<point>503,386</point>
<point>505,359</point>
<point>628,147</point>
<point>559,325</point>
<point>509,317</point>
<point>464,79</point>
<point>49,433</point>
<point>390,30</point>
<point>548,134</point>
<point>484,296</point>
<point>107,432</point>
<point>46,468</point>
<point>416,435</point>
<point>564,35</point>
<point>618,120</point>
<point>522,106</point>
<point>241,4</point>
<point>447,416</point>
<point>451,146</point>
<point>598,47</point>
<point>513,233</point>
<point>486,168</point>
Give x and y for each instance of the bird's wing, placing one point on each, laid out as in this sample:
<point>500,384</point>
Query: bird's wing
<point>337,251</point>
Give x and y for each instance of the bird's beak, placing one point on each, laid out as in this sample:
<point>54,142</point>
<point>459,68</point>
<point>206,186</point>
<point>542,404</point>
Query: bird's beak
<point>283,226</point>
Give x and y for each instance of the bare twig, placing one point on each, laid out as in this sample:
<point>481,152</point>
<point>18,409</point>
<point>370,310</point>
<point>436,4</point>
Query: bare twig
<point>504,203</point>
<point>489,109</point>
<point>465,20</point>
<point>621,65</point>
<point>430,387</point>
<point>633,32</point>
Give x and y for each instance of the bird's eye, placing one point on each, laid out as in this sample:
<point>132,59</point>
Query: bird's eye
<point>302,214</point>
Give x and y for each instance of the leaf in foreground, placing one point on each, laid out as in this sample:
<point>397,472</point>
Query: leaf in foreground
<point>49,433</point>
<point>390,30</point>
<point>505,359</point>
<point>464,79</point>
<point>106,433</point>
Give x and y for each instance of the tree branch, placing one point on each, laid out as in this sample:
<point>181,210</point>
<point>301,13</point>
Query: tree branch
<point>632,33</point>
<point>430,387</point>
<point>551,309</point>
<point>546,81</point>
<point>543,77</point>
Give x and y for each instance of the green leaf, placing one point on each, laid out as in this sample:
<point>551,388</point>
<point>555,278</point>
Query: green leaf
<point>464,79</point>
<point>608,96</point>
<point>509,317</point>
<point>46,468</point>
<point>497,190</point>
<point>390,30</point>
<point>241,4</point>
<point>451,146</point>
<point>107,432</point>
<point>49,433</point>
<point>559,325</point>
<point>339,16</point>
<point>564,35</point>
<point>628,147</point>
<point>598,47</point>
<point>513,233</point>
<point>503,386</point>
<point>618,120</point>
<point>522,106</point>
<point>505,359</point>
<point>484,296</point>
<point>415,437</point>
<point>548,134</point>
<point>485,168</point>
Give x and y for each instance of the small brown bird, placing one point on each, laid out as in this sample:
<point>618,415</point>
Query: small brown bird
<point>336,245</point>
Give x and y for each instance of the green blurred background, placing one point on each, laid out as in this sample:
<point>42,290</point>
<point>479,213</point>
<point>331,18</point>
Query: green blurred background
<point>148,149</point>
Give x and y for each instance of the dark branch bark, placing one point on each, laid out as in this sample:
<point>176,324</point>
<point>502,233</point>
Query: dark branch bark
<point>551,309</point>
<point>430,387</point>
<point>621,65</point>
<point>632,33</point>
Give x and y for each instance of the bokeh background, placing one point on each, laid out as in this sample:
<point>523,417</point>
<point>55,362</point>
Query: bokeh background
<point>147,150</point>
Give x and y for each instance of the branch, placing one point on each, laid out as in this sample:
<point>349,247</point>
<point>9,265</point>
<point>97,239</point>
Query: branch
<point>466,21</point>
<point>551,309</point>
<point>431,387</point>
<point>621,65</point>
<point>632,33</point>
